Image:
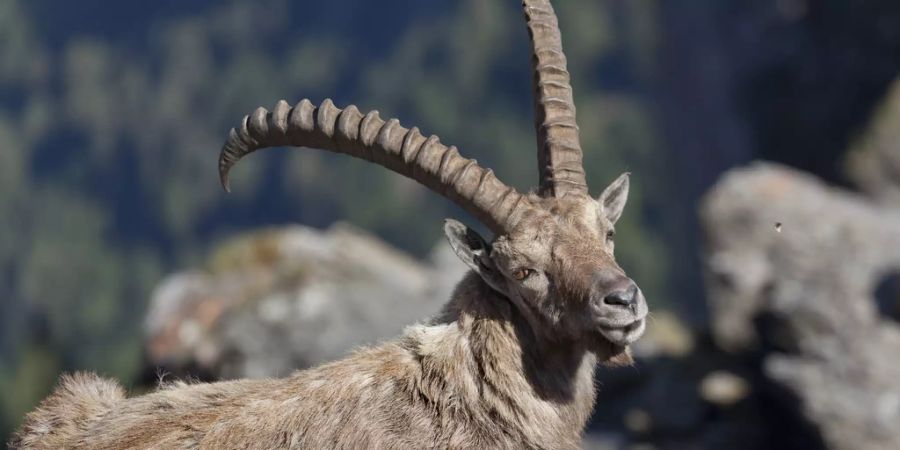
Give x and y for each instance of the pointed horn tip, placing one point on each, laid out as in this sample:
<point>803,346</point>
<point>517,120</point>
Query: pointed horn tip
<point>224,179</point>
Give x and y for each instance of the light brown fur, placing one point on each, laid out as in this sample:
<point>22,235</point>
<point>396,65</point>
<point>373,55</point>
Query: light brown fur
<point>475,377</point>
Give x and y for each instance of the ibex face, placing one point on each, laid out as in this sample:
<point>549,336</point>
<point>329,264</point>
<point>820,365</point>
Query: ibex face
<point>557,266</point>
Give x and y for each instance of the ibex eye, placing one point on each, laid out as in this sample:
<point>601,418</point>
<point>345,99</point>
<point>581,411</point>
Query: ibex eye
<point>610,235</point>
<point>522,274</point>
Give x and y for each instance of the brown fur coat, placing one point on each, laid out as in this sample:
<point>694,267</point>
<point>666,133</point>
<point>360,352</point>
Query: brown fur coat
<point>473,377</point>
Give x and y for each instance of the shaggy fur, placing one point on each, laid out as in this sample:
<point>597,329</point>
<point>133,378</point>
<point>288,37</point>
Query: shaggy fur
<point>474,377</point>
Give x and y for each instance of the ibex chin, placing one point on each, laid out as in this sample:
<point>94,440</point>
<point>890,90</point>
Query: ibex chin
<point>508,363</point>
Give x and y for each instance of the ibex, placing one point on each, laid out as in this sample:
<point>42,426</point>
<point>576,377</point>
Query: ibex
<point>508,363</point>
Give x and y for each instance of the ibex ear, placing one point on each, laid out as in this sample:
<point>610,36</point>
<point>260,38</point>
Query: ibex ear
<point>612,200</point>
<point>474,251</point>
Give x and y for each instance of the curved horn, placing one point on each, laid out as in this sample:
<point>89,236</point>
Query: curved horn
<point>559,149</point>
<point>387,143</point>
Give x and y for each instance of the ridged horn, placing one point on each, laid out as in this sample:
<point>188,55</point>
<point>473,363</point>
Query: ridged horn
<point>559,150</point>
<point>387,143</point>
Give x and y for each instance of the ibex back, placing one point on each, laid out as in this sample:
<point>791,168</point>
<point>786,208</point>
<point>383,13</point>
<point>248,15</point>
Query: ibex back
<point>508,363</point>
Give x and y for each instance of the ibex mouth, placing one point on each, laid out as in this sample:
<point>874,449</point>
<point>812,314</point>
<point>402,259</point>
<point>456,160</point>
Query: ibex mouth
<point>624,334</point>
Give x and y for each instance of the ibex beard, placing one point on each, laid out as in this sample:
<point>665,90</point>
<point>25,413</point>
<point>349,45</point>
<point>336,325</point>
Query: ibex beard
<point>508,363</point>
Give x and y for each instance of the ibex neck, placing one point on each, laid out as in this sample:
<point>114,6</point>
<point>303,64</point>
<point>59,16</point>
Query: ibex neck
<point>524,380</point>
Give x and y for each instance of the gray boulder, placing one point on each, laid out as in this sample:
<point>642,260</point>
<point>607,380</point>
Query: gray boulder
<point>289,298</point>
<point>792,270</point>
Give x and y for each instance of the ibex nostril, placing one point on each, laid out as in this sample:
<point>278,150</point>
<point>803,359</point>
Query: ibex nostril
<point>623,297</point>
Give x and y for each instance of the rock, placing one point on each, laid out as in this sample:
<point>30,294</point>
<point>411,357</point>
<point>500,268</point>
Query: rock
<point>804,296</point>
<point>638,421</point>
<point>873,162</point>
<point>309,294</point>
<point>723,388</point>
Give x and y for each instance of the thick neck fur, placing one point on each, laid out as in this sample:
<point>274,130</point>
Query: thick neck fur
<point>526,383</point>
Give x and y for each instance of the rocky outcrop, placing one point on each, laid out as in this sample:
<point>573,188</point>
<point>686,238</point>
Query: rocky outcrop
<point>793,268</point>
<point>289,298</point>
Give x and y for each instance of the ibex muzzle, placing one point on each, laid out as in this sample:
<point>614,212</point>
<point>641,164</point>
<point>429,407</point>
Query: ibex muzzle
<point>617,306</point>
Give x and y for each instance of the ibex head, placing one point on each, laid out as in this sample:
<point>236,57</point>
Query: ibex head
<point>557,266</point>
<point>552,254</point>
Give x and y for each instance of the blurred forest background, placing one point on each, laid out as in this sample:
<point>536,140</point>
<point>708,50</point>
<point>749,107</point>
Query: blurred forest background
<point>112,115</point>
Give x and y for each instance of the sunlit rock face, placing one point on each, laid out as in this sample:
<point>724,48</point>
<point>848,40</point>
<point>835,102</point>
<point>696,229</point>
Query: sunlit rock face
<point>873,161</point>
<point>277,300</point>
<point>803,295</point>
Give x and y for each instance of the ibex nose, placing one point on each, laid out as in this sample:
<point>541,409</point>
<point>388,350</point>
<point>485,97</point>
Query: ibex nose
<point>612,291</point>
<point>622,297</point>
